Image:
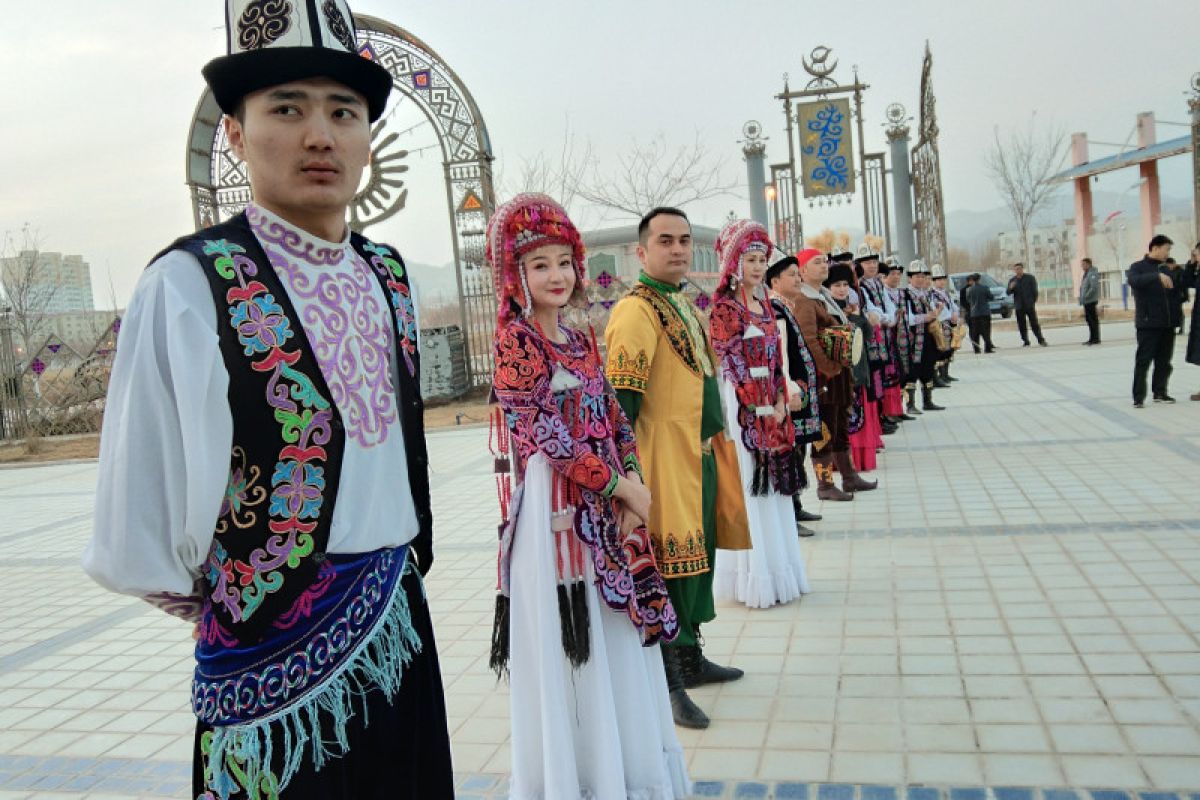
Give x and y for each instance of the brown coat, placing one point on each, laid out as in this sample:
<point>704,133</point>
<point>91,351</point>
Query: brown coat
<point>813,317</point>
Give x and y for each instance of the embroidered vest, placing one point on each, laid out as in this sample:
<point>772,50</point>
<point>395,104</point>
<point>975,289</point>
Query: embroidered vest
<point>264,566</point>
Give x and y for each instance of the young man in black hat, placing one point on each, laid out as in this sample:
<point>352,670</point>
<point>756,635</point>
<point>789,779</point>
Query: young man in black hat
<point>783,280</point>
<point>921,309</point>
<point>875,306</point>
<point>263,468</point>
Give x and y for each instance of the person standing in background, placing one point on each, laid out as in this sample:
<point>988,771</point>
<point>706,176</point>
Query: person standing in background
<point>1191,280</point>
<point>1024,289</point>
<point>1152,294</point>
<point>979,312</point>
<point>1089,298</point>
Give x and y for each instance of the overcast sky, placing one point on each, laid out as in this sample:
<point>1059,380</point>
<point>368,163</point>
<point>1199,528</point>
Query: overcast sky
<point>99,96</point>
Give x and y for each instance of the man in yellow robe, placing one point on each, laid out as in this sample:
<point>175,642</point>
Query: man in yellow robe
<point>662,366</point>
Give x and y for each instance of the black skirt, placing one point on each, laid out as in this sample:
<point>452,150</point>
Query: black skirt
<point>398,750</point>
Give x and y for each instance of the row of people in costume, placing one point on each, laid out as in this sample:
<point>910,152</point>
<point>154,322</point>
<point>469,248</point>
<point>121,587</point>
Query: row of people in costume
<point>638,488</point>
<point>602,585</point>
<point>859,401</point>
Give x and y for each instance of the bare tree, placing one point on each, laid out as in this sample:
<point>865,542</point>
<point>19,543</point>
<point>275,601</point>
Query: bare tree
<point>655,174</point>
<point>561,176</point>
<point>30,284</point>
<point>1020,167</point>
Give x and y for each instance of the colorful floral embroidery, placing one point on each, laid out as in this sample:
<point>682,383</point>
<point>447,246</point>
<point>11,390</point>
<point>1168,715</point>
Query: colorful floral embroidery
<point>682,341</point>
<point>265,786</point>
<point>241,493</point>
<point>585,436</point>
<point>808,420</point>
<point>389,267</point>
<point>261,324</point>
<point>916,302</point>
<point>305,418</point>
<point>753,365</point>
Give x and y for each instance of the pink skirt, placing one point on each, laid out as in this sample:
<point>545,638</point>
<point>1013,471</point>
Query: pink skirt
<point>893,401</point>
<point>869,439</point>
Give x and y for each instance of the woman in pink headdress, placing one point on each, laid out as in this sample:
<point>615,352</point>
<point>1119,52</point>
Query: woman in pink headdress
<point>581,605</point>
<point>753,388</point>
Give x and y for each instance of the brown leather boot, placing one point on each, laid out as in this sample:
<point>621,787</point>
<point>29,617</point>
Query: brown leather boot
<point>826,489</point>
<point>851,480</point>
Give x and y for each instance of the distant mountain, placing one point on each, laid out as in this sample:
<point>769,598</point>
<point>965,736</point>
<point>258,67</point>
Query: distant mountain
<point>968,228</point>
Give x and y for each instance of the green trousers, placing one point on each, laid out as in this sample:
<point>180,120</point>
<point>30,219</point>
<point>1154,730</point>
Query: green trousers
<point>693,596</point>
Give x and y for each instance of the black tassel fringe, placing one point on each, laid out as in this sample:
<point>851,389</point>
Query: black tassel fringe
<point>566,621</point>
<point>573,621</point>
<point>579,614</point>
<point>762,475</point>
<point>498,660</point>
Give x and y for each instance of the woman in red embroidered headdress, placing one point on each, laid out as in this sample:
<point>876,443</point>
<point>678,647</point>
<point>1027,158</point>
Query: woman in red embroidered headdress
<point>581,605</point>
<point>746,339</point>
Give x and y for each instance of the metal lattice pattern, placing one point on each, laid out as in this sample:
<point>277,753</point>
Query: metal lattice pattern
<point>59,391</point>
<point>927,176</point>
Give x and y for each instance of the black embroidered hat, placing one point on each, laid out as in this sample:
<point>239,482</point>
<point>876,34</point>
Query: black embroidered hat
<point>840,271</point>
<point>269,42</point>
<point>779,262</point>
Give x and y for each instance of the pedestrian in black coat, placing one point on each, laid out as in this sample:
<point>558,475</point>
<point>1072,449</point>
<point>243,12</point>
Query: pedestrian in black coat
<point>1191,280</point>
<point>1153,297</point>
<point>978,308</point>
<point>1024,289</point>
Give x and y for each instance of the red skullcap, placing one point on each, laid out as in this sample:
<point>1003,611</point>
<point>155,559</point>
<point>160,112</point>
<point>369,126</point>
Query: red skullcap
<point>806,255</point>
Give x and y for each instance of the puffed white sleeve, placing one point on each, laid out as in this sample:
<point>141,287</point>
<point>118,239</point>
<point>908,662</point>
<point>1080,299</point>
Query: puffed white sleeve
<point>165,442</point>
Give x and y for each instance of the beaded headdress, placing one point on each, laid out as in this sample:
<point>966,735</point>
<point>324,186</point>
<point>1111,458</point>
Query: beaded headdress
<point>523,224</point>
<point>738,237</point>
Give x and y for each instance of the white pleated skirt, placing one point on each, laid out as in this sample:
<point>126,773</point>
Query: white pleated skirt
<point>772,570</point>
<point>603,731</point>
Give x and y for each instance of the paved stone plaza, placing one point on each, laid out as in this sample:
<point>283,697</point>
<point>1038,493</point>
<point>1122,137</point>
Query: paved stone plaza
<point>1018,605</point>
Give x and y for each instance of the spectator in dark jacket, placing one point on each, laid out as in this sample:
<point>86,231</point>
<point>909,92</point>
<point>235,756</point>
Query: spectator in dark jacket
<point>1089,298</point>
<point>1024,289</point>
<point>978,308</point>
<point>1177,294</point>
<point>1152,287</point>
<point>1191,280</point>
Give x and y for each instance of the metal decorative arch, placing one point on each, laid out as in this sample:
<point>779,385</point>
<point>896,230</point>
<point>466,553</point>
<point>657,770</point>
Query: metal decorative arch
<point>220,187</point>
<point>927,175</point>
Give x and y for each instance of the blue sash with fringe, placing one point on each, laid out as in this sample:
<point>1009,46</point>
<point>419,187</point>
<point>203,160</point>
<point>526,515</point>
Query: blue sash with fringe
<point>274,703</point>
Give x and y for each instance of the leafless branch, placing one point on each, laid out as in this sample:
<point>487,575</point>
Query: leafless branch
<point>29,283</point>
<point>1020,167</point>
<point>561,176</point>
<point>655,174</point>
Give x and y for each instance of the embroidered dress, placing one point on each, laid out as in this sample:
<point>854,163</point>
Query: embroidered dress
<point>921,353</point>
<point>866,436</point>
<point>804,373</point>
<point>361,713</point>
<point>590,716</point>
<point>772,570</point>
